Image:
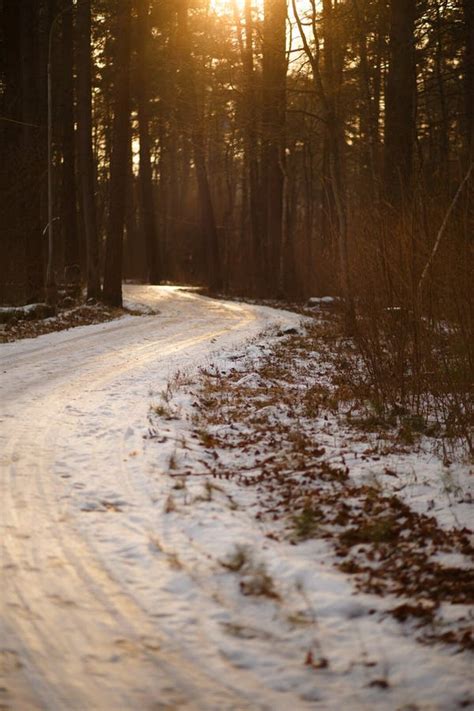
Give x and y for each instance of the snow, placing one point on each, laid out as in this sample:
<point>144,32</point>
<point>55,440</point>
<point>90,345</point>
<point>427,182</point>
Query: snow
<point>129,577</point>
<point>321,300</point>
<point>27,309</point>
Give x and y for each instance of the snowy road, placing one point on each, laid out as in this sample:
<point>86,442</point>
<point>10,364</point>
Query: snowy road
<point>74,633</point>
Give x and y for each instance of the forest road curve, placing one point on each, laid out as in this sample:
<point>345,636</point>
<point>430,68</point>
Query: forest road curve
<point>73,634</point>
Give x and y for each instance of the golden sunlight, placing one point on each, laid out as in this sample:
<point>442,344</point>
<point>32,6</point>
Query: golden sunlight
<point>226,7</point>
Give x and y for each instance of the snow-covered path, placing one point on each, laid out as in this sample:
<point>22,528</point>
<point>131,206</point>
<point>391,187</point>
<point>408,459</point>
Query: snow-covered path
<point>73,407</point>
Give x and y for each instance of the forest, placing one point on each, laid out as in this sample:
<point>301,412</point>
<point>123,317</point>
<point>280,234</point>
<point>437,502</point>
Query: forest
<point>266,149</point>
<point>236,355</point>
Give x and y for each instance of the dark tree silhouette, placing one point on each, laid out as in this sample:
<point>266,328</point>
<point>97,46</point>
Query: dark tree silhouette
<point>112,293</point>
<point>85,148</point>
<point>400,100</point>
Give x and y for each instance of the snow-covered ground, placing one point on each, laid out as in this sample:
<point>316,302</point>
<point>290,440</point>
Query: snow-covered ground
<point>130,579</point>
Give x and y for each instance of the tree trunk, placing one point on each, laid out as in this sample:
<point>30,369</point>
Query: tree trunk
<point>85,149</point>
<point>251,196</point>
<point>469,77</point>
<point>32,153</point>
<point>369,118</point>
<point>326,84</point>
<point>214,269</point>
<point>11,263</point>
<point>400,101</point>
<point>72,271</point>
<point>443,148</point>
<point>119,159</point>
<point>274,69</point>
<point>147,201</point>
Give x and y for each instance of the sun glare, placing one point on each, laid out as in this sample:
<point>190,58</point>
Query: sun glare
<point>226,7</point>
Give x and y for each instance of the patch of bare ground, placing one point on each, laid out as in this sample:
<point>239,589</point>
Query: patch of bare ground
<point>275,413</point>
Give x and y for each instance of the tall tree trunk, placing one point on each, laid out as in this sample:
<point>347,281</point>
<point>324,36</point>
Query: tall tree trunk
<point>468,8</point>
<point>252,147</point>
<point>336,164</point>
<point>134,248</point>
<point>85,149</point>
<point>72,271</point>
<point>274,69</point>
<point>147,201</point>
<point>251,171</point>
<point>11,264</point>
<point>400,101</point>
<point>326,84</point>
<point>214,268</point>
<point>119,159</point>
<point>166,223</point>
<point>369,117</point>
<point>443,151</point>
<point>329,217</point>
<point>32,153</point>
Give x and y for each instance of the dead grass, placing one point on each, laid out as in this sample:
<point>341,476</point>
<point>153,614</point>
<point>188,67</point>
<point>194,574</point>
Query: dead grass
<point>255,579</point>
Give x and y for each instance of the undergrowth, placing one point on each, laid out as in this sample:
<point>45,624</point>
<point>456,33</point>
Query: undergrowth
<point>414,334</point>
<point>275,413</point>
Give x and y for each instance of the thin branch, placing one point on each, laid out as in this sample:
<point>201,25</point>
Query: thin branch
<point>307,113</point>
<point>19,123</point>
<point>442,229</point>
<point>313,60</point>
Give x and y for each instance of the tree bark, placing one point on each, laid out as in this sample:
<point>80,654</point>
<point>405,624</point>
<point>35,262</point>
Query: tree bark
<point>326,86</point>
<point>72,270</point>
<point>329,218</point>
<point>369,116</point>
<point>274,69</point>
<point>112,293</point>
<point>147,200</point>
<point>196,128</point>
<point>251,193</point>
<point>32,152</point>
<point>400,102</point>
<point>85,148</point>
<point>11,265</point>
<point>468,9</point>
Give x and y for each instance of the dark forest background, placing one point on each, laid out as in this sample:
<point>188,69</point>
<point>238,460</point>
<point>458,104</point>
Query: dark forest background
<point>243,151</point>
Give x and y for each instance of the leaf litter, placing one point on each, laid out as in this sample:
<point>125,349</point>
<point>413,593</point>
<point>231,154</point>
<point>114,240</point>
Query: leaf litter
<point>274,424</point>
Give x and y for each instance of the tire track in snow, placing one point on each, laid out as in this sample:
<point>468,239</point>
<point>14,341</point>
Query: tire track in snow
<point>81,638</point>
